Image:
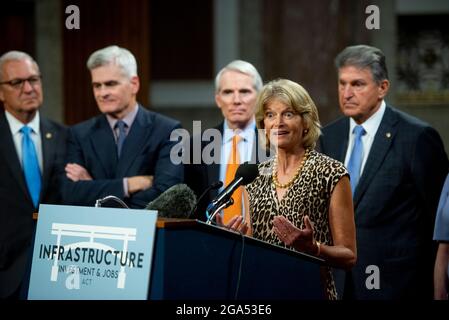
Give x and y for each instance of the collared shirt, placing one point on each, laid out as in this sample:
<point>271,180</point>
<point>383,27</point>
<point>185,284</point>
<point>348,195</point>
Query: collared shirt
<point>371,126</point>
<point>15,126</point>
<point>129,120</point>
<point>245,146</point>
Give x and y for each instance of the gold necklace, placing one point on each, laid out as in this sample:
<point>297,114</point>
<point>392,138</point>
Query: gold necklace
<point>298,171</point>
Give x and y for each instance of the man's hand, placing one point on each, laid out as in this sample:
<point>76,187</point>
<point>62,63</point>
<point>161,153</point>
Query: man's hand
<point>75,172</point>
<point>139,183</point>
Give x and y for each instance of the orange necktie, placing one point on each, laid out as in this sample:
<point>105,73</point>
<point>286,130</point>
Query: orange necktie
<point>233,164</point>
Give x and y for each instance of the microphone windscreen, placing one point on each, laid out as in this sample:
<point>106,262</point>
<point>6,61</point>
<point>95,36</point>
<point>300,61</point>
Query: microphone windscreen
<point>177,201</point>
<point>247,171</point>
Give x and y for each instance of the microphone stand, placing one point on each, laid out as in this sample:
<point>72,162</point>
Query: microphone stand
<point>213,186</point>
<point>99,202</point>
<point>225,204</point>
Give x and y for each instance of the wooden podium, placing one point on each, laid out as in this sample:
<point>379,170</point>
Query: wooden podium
<point>196,261</point>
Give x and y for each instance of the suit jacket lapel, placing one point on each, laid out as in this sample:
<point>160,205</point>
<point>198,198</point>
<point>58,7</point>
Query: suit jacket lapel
<point>8,150</point>
<point>48,152</point>
<point>103,145</point>
<point>213,170</point>
<point>339,142</point>
<point>381,144</point>
<point>138,137</point>
<point>343,145</point>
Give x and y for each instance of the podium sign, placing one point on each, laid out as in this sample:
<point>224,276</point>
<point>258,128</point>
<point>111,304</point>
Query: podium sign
<point>92,253</point>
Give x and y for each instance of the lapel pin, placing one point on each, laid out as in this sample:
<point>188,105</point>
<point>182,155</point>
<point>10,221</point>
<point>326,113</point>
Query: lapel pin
<point>48,135</point>
<point>388,135</point>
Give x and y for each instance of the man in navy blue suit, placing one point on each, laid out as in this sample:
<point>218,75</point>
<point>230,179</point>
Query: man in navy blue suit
<point>397,165</point>
<point>125,152</point>
<point>32,151</point>
<point>236,89</point>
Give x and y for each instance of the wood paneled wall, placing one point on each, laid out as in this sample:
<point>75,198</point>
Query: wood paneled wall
<point>301,40</point>
<point>17,30</point>
<point>103,22</point>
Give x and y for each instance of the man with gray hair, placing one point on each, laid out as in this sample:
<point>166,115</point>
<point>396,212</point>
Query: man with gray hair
<point>397,166</point>
<point>32,151</point>
<point>119,152</point>
<point>236,89</point>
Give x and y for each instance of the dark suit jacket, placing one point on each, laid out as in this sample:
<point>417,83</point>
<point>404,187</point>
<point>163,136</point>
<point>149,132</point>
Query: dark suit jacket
<point>395,204</point>
<point>16,211</point>
<point>199,176</point>
<point>146,151</point>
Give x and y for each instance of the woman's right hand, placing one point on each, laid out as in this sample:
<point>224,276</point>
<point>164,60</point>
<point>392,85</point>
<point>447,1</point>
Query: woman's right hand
<point>235,224</point>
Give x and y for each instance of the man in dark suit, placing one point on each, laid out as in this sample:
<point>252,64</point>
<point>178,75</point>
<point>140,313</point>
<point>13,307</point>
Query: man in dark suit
<point>32,152</point>
<point>236,89</point>
<point>397,165</point>
<point>119,152</point>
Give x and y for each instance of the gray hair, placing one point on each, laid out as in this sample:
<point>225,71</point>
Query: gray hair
<point>114,55</point>
<point>15,56</point>
<point>242,67</point>
<point>363,56</point>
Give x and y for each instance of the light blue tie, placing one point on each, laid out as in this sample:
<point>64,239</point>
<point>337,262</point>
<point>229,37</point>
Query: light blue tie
<point>121,136</point>
<point>31,165</point>
<point>355,161</point>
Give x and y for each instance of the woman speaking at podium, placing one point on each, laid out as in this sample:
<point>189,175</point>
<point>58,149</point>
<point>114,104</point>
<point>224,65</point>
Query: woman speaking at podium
<point>301,199</point>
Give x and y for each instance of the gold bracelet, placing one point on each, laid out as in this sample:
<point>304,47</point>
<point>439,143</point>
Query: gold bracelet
<point>318,251</point>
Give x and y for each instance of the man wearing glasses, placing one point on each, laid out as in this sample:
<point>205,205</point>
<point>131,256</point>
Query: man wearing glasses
<point>32,151</point>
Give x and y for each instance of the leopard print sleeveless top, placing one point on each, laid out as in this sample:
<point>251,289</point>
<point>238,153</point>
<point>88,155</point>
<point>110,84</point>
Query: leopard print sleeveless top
<point>309,194</point>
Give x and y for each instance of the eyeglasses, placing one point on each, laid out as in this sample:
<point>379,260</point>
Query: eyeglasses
<point>18,83</point>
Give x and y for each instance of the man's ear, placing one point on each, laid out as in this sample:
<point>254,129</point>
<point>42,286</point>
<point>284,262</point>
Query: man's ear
<point>218,100</point>
<point>383,88</point>
<point>135,83</point>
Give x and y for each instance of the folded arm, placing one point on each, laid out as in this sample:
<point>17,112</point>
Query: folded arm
<point>166,174</point>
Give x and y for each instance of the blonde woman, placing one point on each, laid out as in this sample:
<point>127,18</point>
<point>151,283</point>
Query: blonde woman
<point>302,199</point>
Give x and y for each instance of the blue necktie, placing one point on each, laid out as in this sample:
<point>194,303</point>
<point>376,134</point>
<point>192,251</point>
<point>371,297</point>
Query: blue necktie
<point>355,161</point>
<point>30,165</point>
<point>121,135</point>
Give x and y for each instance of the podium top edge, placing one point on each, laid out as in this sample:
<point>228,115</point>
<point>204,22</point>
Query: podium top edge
<point>161,222</point>
<point>174,223</point>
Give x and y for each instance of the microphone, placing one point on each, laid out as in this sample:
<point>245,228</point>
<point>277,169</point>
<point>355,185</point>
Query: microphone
<point>108,200</point>
<point>175,202</point>
<point>246,173</point>
<point>213,186</point>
